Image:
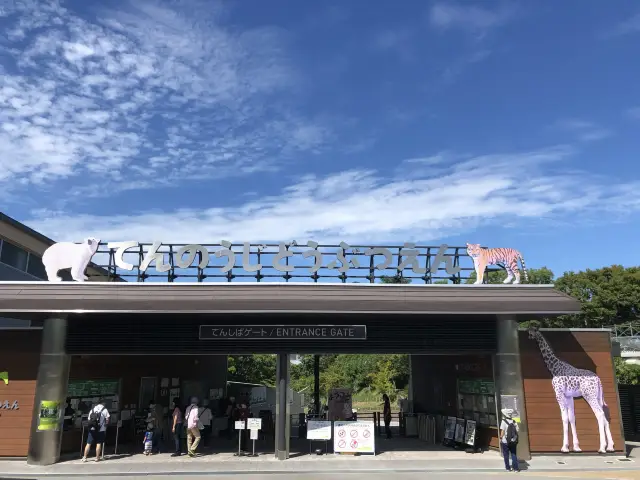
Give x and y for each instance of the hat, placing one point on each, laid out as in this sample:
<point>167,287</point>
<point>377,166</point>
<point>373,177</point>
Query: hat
<point>507,412</point>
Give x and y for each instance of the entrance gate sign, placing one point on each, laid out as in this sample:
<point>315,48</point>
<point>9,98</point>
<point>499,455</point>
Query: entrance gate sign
<point>354,437</point>
<point>168,257</point>
<point>283,332</point>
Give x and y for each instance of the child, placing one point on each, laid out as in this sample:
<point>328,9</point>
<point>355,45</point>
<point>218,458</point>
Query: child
<point>148,439</point>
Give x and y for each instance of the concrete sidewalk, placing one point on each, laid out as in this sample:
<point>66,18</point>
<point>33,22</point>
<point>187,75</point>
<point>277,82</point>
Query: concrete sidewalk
<point>225,464</point>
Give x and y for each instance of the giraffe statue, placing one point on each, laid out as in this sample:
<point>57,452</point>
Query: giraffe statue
<point>570,383</point>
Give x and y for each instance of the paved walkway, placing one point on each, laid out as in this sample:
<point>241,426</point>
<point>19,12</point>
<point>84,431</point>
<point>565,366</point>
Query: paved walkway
<point>445,461</point>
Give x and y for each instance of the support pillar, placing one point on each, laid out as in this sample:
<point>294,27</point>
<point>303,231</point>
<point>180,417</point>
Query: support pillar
<point>283,423</point>
<point>508,376</point>
<point>51,385</point>
<point>316,383</point>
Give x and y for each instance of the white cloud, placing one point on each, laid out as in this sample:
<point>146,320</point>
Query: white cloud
<point>626,27</point>
<point>361,206</point>
<point>168,89</point>
<point>634,112</point>
<point>477,19</point>
<point>584,131</point>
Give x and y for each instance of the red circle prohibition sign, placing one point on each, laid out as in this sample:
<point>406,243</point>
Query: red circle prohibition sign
<point>354,444</point>
<point>366,434</point>
<point>341,433</point>
<point>342,444</point>
<point>354,433</point>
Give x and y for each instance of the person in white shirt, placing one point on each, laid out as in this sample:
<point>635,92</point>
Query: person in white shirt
<point>509,445</point>
<point>98,420</point>
<point>193,432</point>
<point>205,417</point>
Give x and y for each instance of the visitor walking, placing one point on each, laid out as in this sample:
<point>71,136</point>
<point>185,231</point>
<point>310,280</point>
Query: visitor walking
<point>386,415</point>
<point>509,440</point>
<point>192,418</point>
<point>177,426</point>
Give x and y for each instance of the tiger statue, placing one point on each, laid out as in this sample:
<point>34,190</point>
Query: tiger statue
<point>497,256</point>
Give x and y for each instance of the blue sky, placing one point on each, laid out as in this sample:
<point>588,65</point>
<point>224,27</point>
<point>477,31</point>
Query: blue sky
<point>510,124</point>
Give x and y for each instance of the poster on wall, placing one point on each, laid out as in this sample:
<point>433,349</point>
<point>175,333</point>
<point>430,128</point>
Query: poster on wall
<point>49,416</point>
<point>318,430</point>
<point>450,428</point>
<point>354,437</point>
<point>340,406</point>
<point>470,434</point>
<point>459,435</point>
<point>511,402</point>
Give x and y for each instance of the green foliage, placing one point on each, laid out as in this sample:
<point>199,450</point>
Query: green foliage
<point>376,374</point>
<point>627,373</point>
<point>538,276</point>
<point>395,279</point>
<point>609,296</point>
<point>259,369</point>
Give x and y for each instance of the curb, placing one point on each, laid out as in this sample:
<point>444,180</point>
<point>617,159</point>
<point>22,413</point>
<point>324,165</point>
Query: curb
<point>33,475</point>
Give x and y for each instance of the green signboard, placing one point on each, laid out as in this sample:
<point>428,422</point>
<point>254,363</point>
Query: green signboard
<point>480,386</point>
<point>93,388</point>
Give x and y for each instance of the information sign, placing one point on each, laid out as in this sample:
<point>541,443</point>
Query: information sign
<point>253,434</point>
<point>254,423</point>
<point>92,388</point>
<point>318,430</point>
<point>354,437</point>
<point>240,425</point>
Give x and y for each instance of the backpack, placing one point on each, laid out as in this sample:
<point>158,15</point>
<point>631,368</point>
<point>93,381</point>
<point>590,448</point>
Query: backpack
<point>512,434</point>
<point>94,418</point>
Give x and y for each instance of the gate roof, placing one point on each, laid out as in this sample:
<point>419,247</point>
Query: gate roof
<point>155,297</point>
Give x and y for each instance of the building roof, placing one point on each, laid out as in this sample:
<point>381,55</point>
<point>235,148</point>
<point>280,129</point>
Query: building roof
<point>524,301</point>
<point>48,241</point>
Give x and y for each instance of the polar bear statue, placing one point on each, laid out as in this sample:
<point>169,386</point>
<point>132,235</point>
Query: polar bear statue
<point>69,255</point>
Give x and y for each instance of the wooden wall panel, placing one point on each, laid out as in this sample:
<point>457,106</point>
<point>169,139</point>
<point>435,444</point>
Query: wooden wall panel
<point>589,350</point>
<point>19,356</point>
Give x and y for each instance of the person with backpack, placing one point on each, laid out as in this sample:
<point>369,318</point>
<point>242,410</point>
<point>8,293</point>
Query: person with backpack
<point>509,431</point>
<point>194,425</point>
<point>97,425</point>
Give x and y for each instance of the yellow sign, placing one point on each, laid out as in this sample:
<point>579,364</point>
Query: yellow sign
<point>5,377</point>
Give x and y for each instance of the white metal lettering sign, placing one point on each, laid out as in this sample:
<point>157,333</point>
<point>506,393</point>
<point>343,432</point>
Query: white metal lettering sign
<point>240,425</point>
<point>354,437</point>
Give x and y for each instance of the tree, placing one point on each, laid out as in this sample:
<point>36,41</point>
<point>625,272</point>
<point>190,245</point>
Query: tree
<point>609,296</point>
<point>397,278</point>
<point>537,276</point>
<point>259,369</point>
<point>627,373</point>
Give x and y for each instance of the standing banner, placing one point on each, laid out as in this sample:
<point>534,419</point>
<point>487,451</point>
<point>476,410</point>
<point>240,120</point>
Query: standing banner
<point>450,428</point>
<point>470,434</point>
<point>354,437</point>
<point>459,435</point>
